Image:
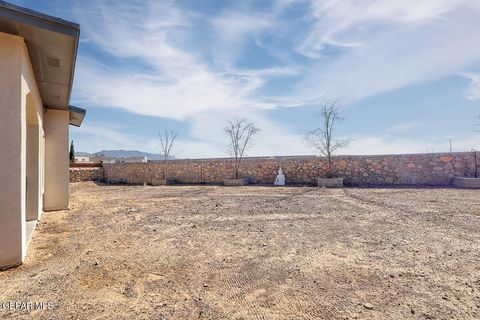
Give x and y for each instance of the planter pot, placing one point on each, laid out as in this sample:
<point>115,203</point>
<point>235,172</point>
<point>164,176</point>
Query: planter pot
<point>330,182</point>
<point>236,182</point>
<point>162,182</point>
<point>468,183</point>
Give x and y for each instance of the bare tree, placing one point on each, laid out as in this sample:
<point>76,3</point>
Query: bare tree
<point>167,138</point>
<point>240,133</point>
<point>475,151</point>
<point>322,138</point>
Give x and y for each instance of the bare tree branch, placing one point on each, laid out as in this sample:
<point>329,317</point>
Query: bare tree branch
<point>167,138</point>
<point>322,138</point>
<point>240,133</point>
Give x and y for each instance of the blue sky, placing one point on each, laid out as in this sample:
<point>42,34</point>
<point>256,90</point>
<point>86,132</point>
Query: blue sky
<point>406,72</point>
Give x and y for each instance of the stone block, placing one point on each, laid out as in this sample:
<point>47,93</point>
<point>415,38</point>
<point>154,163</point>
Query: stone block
<point>162,182</point>
<point>421,169</point>
<point>468,183</point>
<point>330,182</point>
<point>446,159</point>
<point>236,182</point>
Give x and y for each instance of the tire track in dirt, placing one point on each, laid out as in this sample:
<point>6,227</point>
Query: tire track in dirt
<point>246,285</point>
<point>254,292</point>
<point>239,284</point>
<point>367,202</point>
<point>174,195</point>
<point>294,305</point>
<point>342,248</point>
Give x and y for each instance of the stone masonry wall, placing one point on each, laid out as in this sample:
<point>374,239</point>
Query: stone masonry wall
<point>86,174</point>
<point>407,169</point>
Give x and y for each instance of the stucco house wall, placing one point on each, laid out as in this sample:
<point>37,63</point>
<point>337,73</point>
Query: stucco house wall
<point>22,134</point>
<point>34,145</point>
<point>37,64</point>
<point>56,160</point>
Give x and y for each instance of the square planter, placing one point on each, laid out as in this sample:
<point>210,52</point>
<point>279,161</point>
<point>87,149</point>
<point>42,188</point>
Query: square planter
<point>236,182</point>
<point>162,182</point>
<point>468,183</point>
<point>330,182</point>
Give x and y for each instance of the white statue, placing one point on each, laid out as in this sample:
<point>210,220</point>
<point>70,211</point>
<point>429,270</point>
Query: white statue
<point>280,181</point>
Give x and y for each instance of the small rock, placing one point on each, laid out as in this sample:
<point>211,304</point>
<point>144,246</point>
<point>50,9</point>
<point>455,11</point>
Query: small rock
<point>368,306</point>
<point>205,285</point>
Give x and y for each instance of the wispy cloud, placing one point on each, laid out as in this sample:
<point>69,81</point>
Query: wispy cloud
<point>232,30</point>
<point>386,45</point>
<point>390,44</point>
<point>209,141</point>
<point>172,81</point>
<point>403,127</point>
<point>161,59</point>
<point>95,136</point>
<point>392,144</point>
<point>473,90</point>
<point>351,23</point>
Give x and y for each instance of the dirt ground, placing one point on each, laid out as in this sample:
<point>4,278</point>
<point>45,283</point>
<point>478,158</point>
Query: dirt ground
<point>210,252</point>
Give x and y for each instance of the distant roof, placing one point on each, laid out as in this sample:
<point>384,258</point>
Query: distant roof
<point>52,46</point>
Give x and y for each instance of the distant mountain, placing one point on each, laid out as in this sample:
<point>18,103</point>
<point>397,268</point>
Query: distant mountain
<point>122,154</point>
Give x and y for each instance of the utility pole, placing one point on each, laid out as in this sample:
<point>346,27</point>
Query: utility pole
<point>450,145</point>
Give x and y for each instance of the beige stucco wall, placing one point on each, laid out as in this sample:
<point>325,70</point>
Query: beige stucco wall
<point>56,160</point>
<point>12,186</point>
<point>20,134</point>
<point>35,140</point>
<point>33,206</point>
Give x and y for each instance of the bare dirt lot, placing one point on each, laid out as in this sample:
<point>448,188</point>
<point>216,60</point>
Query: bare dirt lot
<point>207,252</point>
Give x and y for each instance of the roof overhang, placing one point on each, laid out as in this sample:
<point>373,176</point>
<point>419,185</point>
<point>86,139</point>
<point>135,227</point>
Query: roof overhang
<point>76,115</point>
<point>52,47</point>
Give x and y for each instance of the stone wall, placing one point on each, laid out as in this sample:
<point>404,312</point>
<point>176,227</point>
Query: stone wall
<point>407,169</point>
<point>86,174</point>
